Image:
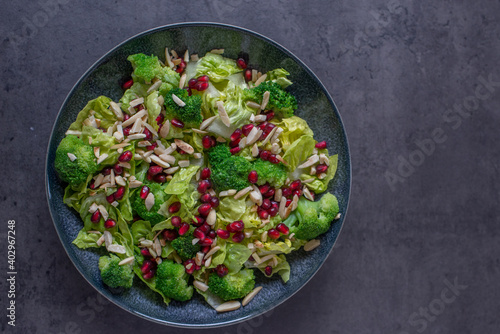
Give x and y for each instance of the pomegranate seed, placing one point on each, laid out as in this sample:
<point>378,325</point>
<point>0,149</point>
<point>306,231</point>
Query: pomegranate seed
<point>127,84</point>
<point>270,193</point>
<point>263,214</point>
<point>297,184</point>
<point>236,226</point>
<point>118,169</point>
<point>288,202</point>
<point>204,209</point>
<point>241,63</point>
<point>275,205</point>
<point>151,147</point>
<point>181,66</point>
<point>212,234</point>
<point>184,228</point>
<point>106,171</point>
<point>205,198</point>
<point>273,211</point>
<point>270,116</point>
<point>180,151</point>
<point>206,242</point>
<point>203,186</point>
<point>177,123</point>
<point>139,107</point>
<point>160,119</point>
<point>321,168</point>
<point>221,270</point>
<point>149,275</point>
<point>191,265</point>
<point>119,193</point>
<point>174,207</point>
<point>197,267</point>
<point>148,134</point>
<point>262,125</point>
<point>169,235</point>
<point>214,202</point>
<point>297,192</point>
<point>198,233</point>
<point>203,78</point>
<point>273,234</point>
<point>264,155</point>
<point>176,221</point>
<point>147,265</point>
<point>235,143</point>
<point>321,145</point>
<point>205,228</point>
<point>206,249</point>
<point>238,237</point>
<point>145,252</point>
<point>223,234</point>
<point>144,192</point>
<point>126,131</point>
<point>160,178</point>
<point>264,188</point>
<point>110,198</point>
<point>268,270</point>
<point>253,177</point>
<point>235,150</point>
<point>192,83</point>
<point>286,192</point>
<point>236,134</point>
<point>109,223</point>
<point>205,173</point>
<point>245,129</point>
<point>153,170</point>
<point>125,156</point>
<point>198,221</point>
<point>92,184</point>
<point>207,142</point>
<point>96,217</point>
<point>273,159</point>
<point>126,116</point>
<point>248,75</point>
<point>266,204</point>
<point>282,228</point>
<point>251,258</point>
<point>201,85</point>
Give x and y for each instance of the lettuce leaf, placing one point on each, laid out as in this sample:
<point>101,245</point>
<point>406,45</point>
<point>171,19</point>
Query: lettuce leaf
<point>293,128</point>
<point>279,76</point>
<point>141,229</point>
<point>100,106</point>
<point>181,179</point>
<point>154,109</point>
<point>136,91</point>
<point>236,256</point>
<point>86,240</point>
<point>216,67</point>
<point>319,186</point>
<point>299,151</point>
<point>104,142</point>
<point>231,209</point>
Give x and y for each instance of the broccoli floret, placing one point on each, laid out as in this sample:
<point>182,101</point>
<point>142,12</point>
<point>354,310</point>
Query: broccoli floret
<point>139,205</point>
<point>275,174</point>
<point>145,67</point>
<point>314,218</point>
<point>183,245</point>
<point>232,286</point>
<point>113,274</point>
<point>228,171</point>
<point>190,114</point>
<point>280,100</point>
<point>172,281</point>
<point>74,172</point>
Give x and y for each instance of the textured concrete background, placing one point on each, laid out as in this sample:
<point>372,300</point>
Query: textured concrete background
<point>419,251</point>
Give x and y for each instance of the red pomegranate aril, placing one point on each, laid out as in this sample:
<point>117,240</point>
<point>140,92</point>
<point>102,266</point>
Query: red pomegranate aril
<point>206,249</point>
<point>109,223</point>
<point>125,117</point>
<point>286,192</point>
<point>270,193</point>
<point>106,171</point>
<point>118,169</point>
<point>139,107</point>
<point>234,143</point>
<point>190,92</point>
<point>176,221</point>
<point>127,84</point>
<point>214,202</point>
<point>273,234</point>
<point>203,78</point>
<point>198,233</point>
<point>119,193</point>
<point>192,83</point>
<point>204,209</point>
<point>148,134</point>
<point>144,192</point>
<point>147,266</point>
<point>206,241</point>
<point>190,266</point>
<point>266,204</point>
<point>275,205</point>
<point>223,234</point>
<point>236,226</point>
<point>201,85</point>
<point>151,147</point>
<point>321,168</point>
<point>160,119</point>
<point>206,141</point>
<point>212,234</point>
<point>269,127</point>
<point>205,173</point>
<point>236,134</point>
<point>238,237</point>
<point>92,184</point>
<point>203,186</point>
<point>205,198</point>
<point>153,170</point>
<point>181,66</point>
<point>264,155</point>
<point>169,235</point>
<point>160,178</point>
<point>96,217</point>
<point>174,207</point>
<point>126,131</point>
<point>180,151</point>
<point>110,198</point>
<point>288,202</point>
<point>177,123</point>
<point>321,145</point>
<point>268,270</point>
<point>184,228</point>
<point>197,267</point>
<point>282,228</point>
<point>248,75</point>
<point>270,116</point>
<point>145,252</point>
<point>221,270</point>
<point>235,150</point>
<point>125,156</point>
<point>262,125</point>
<point>273,211</point>
<point>297,184</point>
<point>198,221</point>
<point>253,177</point>
<point>273,159</point>
<point>264,188</point>
<point>245,129</point>
<point>297,192</point>
<point>263,214</point>
<point>241,63</point>
<point>149,275</point>
<point>205,228</point>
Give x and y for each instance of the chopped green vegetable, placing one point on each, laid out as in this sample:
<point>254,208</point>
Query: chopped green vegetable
<point>75,160</point>
<point>232,286</point>
<point>114,275</point>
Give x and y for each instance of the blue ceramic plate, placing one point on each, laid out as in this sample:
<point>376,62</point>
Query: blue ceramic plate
<point>315,105</point>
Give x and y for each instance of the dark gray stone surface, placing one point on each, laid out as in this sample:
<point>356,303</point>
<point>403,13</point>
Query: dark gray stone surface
<point>402,73</point>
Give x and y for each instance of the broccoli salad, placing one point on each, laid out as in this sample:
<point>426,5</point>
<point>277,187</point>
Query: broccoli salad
<point>199,177</point>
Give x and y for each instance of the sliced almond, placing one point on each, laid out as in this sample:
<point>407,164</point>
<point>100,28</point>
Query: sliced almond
<point>126,261</point>
<point>146,243</point>
<point>295,202</point>
<point>178,101</point>
<point>144,143</point>
<point>242,192</point>
<point>133,118</point>
<point>212,252</point>
<point>150,201</point>
<point>263,237</point>
<point>307,193</point>
<point>136,136</point>
<point>259,118</point>
<point>186,56</point>
<point>308,181</point>
<point>154,86</point>
<point>277,195</point>
<point>312,171</point>
<point>171,170</point>
<point>313,159</point>
<point>323,159</point>
<point>252,135</point>
<point>151,129</point>
<point>258,244</point>
<point>177,258</point>
<point>276,134</point>
<point>200,285</point>
<point>108,238</point>
<point>282,207</point>
<point>195,241</point>
<point>118,135</point>
<point>168,59</point>
<point>217,51</point>
<point>337,216</point>
<point>115,108</point>
<point>136,102</point>
<point>212,217</point>
<point>253,105</point>
<point>134,184</point>
<point>251,295</point>
<point>221,139</point>
<point>194,57</point>
<point>100,241</point>
<point>197,155</point>
<point>321,176</point>
<point>103,211</point>
<point>198,258</point>
<point>201,132</point>
<point>182,81</point>
<point>256,197</point>
<point>269,136</point>
<point>208,261</point>
<point>118,249</point>
<point>157,246</point>
<point>73,132</point>
<point>223,114</point>
<point>228,306</point>
<point>96,152</point>
<point>184,146</point>
<point>93,208</point>
<point>226,193</point>
<point>312,244</point>
<point>265,98</point>
<point>275,148</point>
<point>254,75</point>
<point>165,129</point>
<point>167,158</point>
<point>159,161</point>
<point>183,163</point>
<point>207,122</point>
<point>71,157</point>
<point>255,151</point>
